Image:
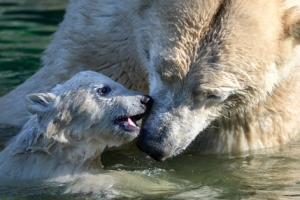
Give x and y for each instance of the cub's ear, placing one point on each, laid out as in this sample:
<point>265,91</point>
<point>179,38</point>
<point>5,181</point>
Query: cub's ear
<point>39,102</point>
<point>292,19</point>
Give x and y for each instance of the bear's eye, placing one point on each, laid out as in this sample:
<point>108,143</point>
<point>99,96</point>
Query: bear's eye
<point>103,90</point>
<point>213,97</point>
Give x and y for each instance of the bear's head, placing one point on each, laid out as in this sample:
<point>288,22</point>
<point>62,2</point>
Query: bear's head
<point>209,59</point>
<point>89,107</point>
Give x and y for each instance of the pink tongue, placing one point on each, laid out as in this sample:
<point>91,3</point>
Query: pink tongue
<point>129,122</point>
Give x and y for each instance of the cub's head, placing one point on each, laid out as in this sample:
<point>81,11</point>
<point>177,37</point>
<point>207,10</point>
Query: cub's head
<point>89,107</point>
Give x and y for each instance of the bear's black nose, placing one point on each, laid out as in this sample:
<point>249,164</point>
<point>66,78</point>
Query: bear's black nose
<point>147,100</point>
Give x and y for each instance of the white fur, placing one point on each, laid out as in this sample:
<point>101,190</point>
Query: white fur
<point>69,129</point>
<point>190,54</point>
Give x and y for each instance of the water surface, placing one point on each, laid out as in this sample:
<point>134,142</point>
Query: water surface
<point>26,27</point>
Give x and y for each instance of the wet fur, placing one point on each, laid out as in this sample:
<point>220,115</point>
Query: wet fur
<point>69,129</point>
<point>226,69</point>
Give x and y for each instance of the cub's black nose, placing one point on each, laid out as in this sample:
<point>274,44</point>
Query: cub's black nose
<point>147,100</point>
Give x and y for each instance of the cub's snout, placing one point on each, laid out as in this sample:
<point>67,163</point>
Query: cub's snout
<point>147,102</point>
<point>137,107</point>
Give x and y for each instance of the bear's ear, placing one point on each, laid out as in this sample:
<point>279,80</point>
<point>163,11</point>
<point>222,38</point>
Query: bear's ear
<point>292,19</point>
<point>39,102</point>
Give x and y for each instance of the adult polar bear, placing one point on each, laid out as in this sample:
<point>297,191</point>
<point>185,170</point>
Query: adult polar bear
<point>227,69</point>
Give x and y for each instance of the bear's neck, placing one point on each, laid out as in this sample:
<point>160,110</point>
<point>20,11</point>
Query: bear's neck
<point>32,155</point>
<point>84,155</point>
<point>271,122</point>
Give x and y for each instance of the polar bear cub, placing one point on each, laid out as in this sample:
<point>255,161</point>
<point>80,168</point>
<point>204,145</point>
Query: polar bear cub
<point>71,126</point>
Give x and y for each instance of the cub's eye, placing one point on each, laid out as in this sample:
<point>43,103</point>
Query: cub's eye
<point>103,90</point>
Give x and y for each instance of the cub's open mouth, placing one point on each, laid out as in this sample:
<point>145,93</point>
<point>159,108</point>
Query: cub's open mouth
<point>128,123</point>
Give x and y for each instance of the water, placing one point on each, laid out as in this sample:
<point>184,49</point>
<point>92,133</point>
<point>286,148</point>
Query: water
<point>25,29</point>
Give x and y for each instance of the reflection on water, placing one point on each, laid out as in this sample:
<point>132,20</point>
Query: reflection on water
<point>25,29</point>
<point>267,175</point>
